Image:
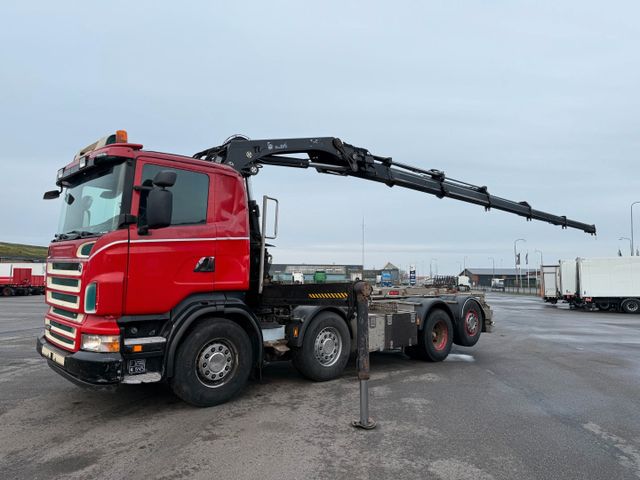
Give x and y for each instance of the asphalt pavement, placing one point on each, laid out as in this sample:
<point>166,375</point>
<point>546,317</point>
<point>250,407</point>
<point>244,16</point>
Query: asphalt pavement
<point>550,394</point>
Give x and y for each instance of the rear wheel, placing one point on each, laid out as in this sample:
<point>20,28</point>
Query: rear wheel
<point>213,363</point>
<point>469,328</point>
<point>438,336</point>
<point>435,339</point>
<point>325,348</point>
<point>631,305</point>
<point>7,291</point>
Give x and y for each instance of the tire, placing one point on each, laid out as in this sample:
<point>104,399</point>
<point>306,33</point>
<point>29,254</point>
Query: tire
<point>469,328</point>
<point>437,336</point>
<point>325,348</point>
<point>435,339</point>
<point>603,306</point>
<point>7,292</point>
<point>198,385</point>
<point>630,305</point>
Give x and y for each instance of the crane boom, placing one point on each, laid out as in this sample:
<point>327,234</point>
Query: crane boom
<point>330,155</point>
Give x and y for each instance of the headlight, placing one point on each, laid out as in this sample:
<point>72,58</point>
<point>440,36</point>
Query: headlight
<point>100,343</point>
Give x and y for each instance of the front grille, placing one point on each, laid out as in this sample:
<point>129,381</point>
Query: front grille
<point>65,268</point>
<point>66,314</point>
<point>64,287</point>
<point>63,299</point>
<point>64,284</point>
<point>60,334</point>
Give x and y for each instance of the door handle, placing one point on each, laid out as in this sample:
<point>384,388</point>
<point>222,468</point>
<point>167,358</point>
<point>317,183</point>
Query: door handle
<point>206,264</point>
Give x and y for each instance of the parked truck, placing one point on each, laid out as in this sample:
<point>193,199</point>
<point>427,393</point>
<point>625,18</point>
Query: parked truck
<point>497,285</point>
<point>21,278</point>
<point>160,270</point>
<point>611,283</point>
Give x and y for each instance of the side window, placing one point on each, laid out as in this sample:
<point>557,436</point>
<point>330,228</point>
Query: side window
<point>190,196</point>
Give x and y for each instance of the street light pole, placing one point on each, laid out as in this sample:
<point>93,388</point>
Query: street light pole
<point>630,243</point>
<point>515,260</point>
<point>493,271</point>
<point>632,246</point>
<point>539,273</point>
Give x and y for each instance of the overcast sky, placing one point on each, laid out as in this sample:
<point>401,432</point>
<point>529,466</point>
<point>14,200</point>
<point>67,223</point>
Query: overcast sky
<point>537,100</point>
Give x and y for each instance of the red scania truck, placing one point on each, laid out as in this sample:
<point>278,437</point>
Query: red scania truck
<point>159,270</point>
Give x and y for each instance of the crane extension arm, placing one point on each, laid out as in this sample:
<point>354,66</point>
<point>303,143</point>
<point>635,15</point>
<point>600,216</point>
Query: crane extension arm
<point>331,155</point>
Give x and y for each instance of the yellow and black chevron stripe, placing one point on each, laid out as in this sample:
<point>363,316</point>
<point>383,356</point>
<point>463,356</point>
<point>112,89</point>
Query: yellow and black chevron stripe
<point>329,295</point>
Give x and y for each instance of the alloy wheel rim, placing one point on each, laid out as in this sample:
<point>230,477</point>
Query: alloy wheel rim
<point>216,361</point>
<point>327,346</point>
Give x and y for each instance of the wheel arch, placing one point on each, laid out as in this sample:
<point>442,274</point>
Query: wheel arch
<point>306,314</point>
<point>426,306</point>
<point>192,317</point>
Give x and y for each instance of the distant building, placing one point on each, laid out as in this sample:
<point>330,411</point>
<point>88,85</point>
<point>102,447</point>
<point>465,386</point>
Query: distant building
<point>284,272</point>
<point>482,276</point>
<point>390,274</point>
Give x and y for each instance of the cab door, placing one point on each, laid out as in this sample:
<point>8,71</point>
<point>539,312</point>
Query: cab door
<point>166,265</point>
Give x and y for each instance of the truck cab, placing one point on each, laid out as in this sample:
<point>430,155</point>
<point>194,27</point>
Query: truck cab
<point>111,273</point>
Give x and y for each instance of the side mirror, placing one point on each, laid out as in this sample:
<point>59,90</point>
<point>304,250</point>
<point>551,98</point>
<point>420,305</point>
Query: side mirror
<point>159,207</point>
<point>51,194</point>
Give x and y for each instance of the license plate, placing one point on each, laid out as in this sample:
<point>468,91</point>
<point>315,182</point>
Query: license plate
<point>51,355</point>
<point>137,366</point>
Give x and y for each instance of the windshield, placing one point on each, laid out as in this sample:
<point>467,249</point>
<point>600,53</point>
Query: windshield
<point>92,203</point>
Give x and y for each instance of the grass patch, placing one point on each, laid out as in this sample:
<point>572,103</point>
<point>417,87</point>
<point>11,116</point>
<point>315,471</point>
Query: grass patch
<point>17,251</point>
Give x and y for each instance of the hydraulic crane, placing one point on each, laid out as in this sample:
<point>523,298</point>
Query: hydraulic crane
<point>332,156</point>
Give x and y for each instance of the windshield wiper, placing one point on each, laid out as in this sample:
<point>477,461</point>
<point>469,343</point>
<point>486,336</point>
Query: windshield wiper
<point>74,234</point>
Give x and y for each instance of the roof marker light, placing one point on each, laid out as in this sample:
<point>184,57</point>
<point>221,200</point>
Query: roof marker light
<point>121,136</point>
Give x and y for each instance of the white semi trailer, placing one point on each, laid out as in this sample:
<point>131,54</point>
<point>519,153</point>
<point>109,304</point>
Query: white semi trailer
<point>568,280</point>
<point>609,283</point>
<point>550,283</point>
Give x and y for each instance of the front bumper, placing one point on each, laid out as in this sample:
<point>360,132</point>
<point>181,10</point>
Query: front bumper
<point>87,369</point>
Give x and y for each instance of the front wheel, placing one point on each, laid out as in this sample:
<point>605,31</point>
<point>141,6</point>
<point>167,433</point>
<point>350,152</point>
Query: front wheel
<point>213,363</point>
<point>325,348</point>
